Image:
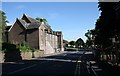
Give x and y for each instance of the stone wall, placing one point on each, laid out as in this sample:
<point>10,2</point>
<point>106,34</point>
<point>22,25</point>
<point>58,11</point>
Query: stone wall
<point>12,56</point>
<point>16,33</point>
<point>29,55</point>
<point>42,38</point>
<point>1,57</point>
<point>33,38</point>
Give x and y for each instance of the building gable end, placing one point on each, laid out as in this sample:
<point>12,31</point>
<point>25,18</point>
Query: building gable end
<point>17,20</point>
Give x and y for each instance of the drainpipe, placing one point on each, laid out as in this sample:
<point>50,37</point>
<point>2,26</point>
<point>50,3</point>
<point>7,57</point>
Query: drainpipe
<point>25,35</point>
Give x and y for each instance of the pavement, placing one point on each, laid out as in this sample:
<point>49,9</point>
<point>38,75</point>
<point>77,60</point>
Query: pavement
<point>100,68</point>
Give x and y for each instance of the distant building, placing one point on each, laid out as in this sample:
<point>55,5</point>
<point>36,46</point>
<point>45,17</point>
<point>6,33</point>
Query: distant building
<point>36,34</point>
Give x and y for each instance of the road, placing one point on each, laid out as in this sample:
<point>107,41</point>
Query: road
<point>64,64</point>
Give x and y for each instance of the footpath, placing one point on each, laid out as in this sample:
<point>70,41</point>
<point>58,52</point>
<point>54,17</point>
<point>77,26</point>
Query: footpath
<point>100,68</point>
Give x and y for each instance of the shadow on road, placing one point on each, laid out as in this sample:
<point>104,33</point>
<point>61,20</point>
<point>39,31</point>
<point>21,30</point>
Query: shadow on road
<point>101,68</point>
<point>56,65</point>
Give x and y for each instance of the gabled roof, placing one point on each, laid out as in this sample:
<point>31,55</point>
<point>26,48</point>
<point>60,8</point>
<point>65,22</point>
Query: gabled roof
<point>15,22</point>
<point>30,23</point>
<point>30,19</point>
<point>23,23</point>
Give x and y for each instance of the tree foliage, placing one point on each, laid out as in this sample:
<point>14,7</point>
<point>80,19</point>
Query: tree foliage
<point>79,43</point>
<point>72,43</point>
<point>65,42</point>
<point>90,34</point>
<point>106,26</point>
<point>106,23</point>
<point>3,19</point>
<point>43,20</point>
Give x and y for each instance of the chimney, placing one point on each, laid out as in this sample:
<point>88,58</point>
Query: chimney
<point>41,20</point>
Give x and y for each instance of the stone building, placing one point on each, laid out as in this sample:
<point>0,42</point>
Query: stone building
<point>36,34</point>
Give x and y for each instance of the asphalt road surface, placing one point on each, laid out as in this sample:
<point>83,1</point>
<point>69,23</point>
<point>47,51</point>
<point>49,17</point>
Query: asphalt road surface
<point>64,64</point>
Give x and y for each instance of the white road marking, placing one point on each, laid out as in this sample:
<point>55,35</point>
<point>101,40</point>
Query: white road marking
<point>88,68</point>
<point>79,61</point>
<point>64,54</point>
<point>77,70</point>
<point>89,52</point>
<point>94,72</point>
<point>22,69</point>
<point>53,59</point>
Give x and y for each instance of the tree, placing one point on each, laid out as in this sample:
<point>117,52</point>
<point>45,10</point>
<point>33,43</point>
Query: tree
<point>105,25</point>
<point>91,34</point>
<point>79,43</point>
<point>72,43</point>
<point>65,43</point>
<point>43,20</point>
<point>3,20</point>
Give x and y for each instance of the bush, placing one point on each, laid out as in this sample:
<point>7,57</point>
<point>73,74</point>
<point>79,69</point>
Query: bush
<point>24,47</point>
<point>9,47</point>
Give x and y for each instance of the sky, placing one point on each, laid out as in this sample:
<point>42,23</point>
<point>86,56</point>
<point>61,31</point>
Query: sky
<point>72,18</point>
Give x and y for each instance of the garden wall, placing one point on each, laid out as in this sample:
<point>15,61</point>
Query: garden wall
<point>16,56</point>
<point>30,55</point>
<point>1,57</point>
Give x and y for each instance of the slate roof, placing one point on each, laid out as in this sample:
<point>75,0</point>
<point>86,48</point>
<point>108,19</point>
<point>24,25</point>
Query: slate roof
<point>30,25</point>
<point>23,22</point>
<point>29,18</point>
<point>34,25</point>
